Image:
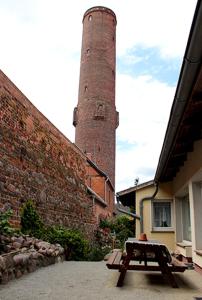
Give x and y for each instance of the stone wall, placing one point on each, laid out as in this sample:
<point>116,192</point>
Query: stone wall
<point>38,162</point>
<point>26,254</point>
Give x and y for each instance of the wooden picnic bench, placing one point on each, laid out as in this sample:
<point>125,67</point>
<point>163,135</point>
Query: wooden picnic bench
<point>145,253</point>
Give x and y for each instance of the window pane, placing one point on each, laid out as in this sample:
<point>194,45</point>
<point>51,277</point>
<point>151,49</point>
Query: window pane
<point>186,219</point>
<point>162,214</point>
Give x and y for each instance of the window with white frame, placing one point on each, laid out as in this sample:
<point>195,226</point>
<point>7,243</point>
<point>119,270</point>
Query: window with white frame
<point>162,215</point>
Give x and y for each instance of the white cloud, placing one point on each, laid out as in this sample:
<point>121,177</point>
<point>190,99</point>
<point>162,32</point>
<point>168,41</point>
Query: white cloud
<point>40,53</point>
<point>144,104</point>
<point>157,23</point>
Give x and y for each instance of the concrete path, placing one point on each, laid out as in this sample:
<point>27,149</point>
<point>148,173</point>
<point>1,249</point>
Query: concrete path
<point>92,280</point>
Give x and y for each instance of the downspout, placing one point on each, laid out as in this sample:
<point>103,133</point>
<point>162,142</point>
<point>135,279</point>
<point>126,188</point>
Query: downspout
<point>141,206</point>
<point>126,212</point>
<point>107,179</point>
<point>94,208</point>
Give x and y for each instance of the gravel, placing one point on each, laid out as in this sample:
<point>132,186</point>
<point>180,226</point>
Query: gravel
<point>92,280</point>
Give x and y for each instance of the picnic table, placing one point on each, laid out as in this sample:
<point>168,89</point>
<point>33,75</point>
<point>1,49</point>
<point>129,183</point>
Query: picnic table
<point>148,256</point>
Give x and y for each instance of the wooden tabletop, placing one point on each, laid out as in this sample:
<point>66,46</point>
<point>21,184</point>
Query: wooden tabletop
<point>150,242</point>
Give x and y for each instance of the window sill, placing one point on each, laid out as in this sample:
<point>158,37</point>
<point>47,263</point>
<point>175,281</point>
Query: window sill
<point>184,244</point>
<point>163,229</point>
<point>199,252</point>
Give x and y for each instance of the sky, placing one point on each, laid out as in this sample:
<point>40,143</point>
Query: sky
<point>40,52</point>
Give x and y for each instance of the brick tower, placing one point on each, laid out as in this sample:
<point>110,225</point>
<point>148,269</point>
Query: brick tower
<point>95,116</point>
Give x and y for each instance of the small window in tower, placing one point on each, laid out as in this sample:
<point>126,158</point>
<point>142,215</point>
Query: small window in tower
<point>22,124</point>
<point>23,153</point>
<point>75,116</point>
<point>90,18</point>
<point>99,111</point>
<point>86,88</point>
<point>113,38</point>
<point>113,73</point>
<point>88,51</point>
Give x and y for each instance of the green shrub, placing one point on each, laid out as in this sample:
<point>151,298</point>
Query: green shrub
<point>104,223</point>
<point>75,245</point>
<point>122,226</point>
<point>31,222</point>
<point>122,222</point>
<point>97,252</point>
<point>5,227</point>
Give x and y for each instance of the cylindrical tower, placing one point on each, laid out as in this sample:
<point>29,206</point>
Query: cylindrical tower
<point>95,117</point>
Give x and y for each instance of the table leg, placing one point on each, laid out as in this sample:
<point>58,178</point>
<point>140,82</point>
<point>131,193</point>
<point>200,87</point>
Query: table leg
<point>123,269</point>
<point>166,272</point>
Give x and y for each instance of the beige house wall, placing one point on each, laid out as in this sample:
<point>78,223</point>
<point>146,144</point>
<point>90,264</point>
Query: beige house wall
<point>188,181</point>
<point>164,192</point>
<point>192,165</point>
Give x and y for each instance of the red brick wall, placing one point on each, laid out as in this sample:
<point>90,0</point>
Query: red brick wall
<point>95,117</point>
<point>38,162</point>
<point>101,185</point>
<point>96,182</point>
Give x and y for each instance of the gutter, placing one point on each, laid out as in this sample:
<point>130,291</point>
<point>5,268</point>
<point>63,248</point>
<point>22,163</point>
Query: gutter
<point>107,179</point>
<point>190,67</point>
<point>135,188</point>
<point>96,196</point>
<point>141,206</point>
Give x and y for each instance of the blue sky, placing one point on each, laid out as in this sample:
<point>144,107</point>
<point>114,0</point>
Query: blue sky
<point>148,61</point>
<point>40,53</point>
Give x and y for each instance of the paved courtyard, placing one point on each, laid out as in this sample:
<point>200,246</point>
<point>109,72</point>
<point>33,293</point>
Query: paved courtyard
<point>92,280</point>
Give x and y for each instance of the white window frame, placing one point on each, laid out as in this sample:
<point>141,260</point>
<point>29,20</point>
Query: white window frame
<point>162,229</point>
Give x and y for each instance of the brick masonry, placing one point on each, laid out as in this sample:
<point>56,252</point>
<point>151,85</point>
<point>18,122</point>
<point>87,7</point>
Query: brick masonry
<point>38,162</point>
<point>95,117</point>
<point>103,188</point>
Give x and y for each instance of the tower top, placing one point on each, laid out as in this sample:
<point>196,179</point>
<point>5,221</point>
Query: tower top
<point>101,9</point>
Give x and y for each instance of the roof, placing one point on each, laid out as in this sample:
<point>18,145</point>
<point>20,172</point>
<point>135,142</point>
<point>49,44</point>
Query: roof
<point>102,9</point>
<point>127,197</point>
<point>185,122</point>
<point>96,196</point>
<point>135,188</point>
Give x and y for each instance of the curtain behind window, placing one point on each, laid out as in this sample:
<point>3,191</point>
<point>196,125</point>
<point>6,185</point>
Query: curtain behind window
<point>162,214</point>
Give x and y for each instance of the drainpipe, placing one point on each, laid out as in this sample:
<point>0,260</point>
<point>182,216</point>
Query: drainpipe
<point>141,206</point>
<point>126,212</point>
<point>107,179</point>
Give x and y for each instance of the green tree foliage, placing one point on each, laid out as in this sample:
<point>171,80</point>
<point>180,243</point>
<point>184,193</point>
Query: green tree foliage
<point>122,226</point>
<point>31,222</point>
<point>5,227</point>
<point>75,245</point>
